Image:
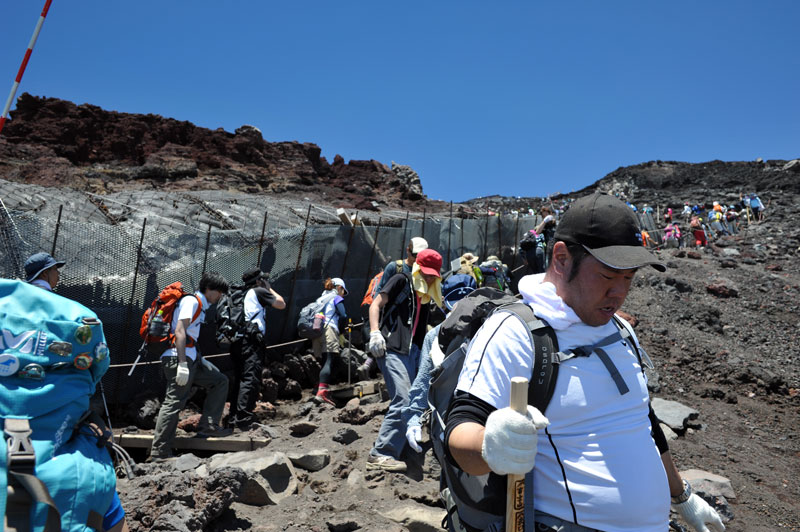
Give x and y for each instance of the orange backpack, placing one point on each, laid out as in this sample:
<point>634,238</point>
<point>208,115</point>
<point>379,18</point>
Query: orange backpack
<point>372,288</point>
<point>157,319</point>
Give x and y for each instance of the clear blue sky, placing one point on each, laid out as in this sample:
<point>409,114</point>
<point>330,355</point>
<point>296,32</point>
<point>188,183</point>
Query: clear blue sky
<point>513,98</point>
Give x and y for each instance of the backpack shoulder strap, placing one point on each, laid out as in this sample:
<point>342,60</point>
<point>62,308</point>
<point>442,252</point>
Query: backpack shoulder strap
<point>545,346</point>
<point>641,354</point>
<point>22,477</point>
<point>199,308</point>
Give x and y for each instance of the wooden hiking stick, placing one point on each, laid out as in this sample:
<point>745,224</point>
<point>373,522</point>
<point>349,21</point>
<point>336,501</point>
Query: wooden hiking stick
<point>515,490</point>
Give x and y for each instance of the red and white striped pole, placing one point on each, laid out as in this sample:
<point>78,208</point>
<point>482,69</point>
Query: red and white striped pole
<point>24,64</point>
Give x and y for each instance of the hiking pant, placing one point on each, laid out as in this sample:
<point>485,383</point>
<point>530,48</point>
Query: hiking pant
<point>699,237</point>
<point>216,386</point>
<point>247,355</point>
<point>326,346</point>
<point>399,372</point>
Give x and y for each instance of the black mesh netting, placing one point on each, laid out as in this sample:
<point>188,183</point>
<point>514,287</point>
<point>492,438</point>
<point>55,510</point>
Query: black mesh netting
<point>121,251</point>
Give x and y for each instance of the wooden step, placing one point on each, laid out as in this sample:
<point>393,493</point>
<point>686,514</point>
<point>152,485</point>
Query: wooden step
<point>235,442</point>
<point>358,389</point>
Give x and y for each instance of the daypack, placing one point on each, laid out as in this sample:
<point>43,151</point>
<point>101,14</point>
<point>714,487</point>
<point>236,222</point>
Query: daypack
<point>372,288</point>
<point>479,500</point>
<point>52,355</point>
<point>230,322</point>
<point>157,319</point>
<point>494,276</point>
<point>311,323</point>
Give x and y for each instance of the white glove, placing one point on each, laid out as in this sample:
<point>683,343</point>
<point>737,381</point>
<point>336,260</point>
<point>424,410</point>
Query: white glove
<point>697,512</point>
<point>377,345</point>
<point>414,436</point>
<point>182,377</point>
<point>208,365</point>
<point>510,440</point>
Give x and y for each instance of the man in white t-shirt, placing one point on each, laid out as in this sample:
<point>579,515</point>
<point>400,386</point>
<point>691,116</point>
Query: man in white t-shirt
<point>247,352</point>
<point>183,367</point>
<point>599,460</point>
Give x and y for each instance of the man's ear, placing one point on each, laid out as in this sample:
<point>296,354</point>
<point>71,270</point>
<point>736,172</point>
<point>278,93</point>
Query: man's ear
<point>562,260</point>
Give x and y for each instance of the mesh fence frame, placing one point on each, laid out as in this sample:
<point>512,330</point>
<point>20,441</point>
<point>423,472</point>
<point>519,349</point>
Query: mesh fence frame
<point>117,262</point>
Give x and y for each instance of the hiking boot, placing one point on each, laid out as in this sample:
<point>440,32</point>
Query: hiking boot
<point>214,432</point>
<point>386,463</point>
<point>158,458</point>
<point>325,395</point>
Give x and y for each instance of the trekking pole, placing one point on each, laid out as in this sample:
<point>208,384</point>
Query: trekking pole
<point>350,348</point>
<point>25,60</point>
<point>515,489</point>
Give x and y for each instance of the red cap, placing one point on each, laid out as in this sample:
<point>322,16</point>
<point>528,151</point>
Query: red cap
<point>430,262</point>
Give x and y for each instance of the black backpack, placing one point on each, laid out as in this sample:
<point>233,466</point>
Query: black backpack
<point>469,499</point>
<point>230,320</point>
<point>494,276</point>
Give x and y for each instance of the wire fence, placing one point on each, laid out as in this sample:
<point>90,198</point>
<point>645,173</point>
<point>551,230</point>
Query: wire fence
<point>121,249</point>
<point>117,269</point>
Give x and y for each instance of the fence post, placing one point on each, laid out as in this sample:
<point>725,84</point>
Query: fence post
<point>461,248</point>
<point>127,322</point>
<point>205,256</point>
<point>294,275</point>
<point>499,235</point>
<point>486,234</point>
<point>368,276</point>
<point>58,226</point>
<point>349,240</point>
<point>449,234</point>
<point>515,247</point>
<point>403,244</point>
<point>261,241</point>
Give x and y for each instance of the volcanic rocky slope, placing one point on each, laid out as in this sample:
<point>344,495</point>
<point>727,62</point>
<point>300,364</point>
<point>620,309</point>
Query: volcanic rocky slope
<point>721,326</point>
<point>57,143</point>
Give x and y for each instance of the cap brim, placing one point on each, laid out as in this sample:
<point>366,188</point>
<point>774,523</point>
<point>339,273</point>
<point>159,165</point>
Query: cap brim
<point>626,257</point>
<point>57,264</point>
<point>429,271</point>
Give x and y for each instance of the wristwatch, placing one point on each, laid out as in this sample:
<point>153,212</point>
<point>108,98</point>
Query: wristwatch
<point>683,497</point>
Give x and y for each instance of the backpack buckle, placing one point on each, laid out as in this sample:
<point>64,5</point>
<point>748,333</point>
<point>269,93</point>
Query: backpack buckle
<point>21,456</point>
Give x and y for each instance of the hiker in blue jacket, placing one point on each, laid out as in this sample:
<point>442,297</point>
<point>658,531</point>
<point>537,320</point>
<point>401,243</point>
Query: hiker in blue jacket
<point>42,270</point>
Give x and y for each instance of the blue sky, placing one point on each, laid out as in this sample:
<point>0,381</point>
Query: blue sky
<point>512,98</point>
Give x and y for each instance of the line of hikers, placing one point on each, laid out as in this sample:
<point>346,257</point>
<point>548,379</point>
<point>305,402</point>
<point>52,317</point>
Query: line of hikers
<point>448,344</point>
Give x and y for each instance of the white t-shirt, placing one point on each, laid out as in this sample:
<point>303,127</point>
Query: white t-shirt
<point>185,311</point>
<point>598,439</point>
<point>254,311</point>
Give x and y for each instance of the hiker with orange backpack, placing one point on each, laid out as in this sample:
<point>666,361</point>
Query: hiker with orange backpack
<point>183,366</point>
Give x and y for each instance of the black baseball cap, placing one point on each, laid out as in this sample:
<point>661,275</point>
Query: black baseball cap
<point>609,230</point>
<point>251,276</point>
